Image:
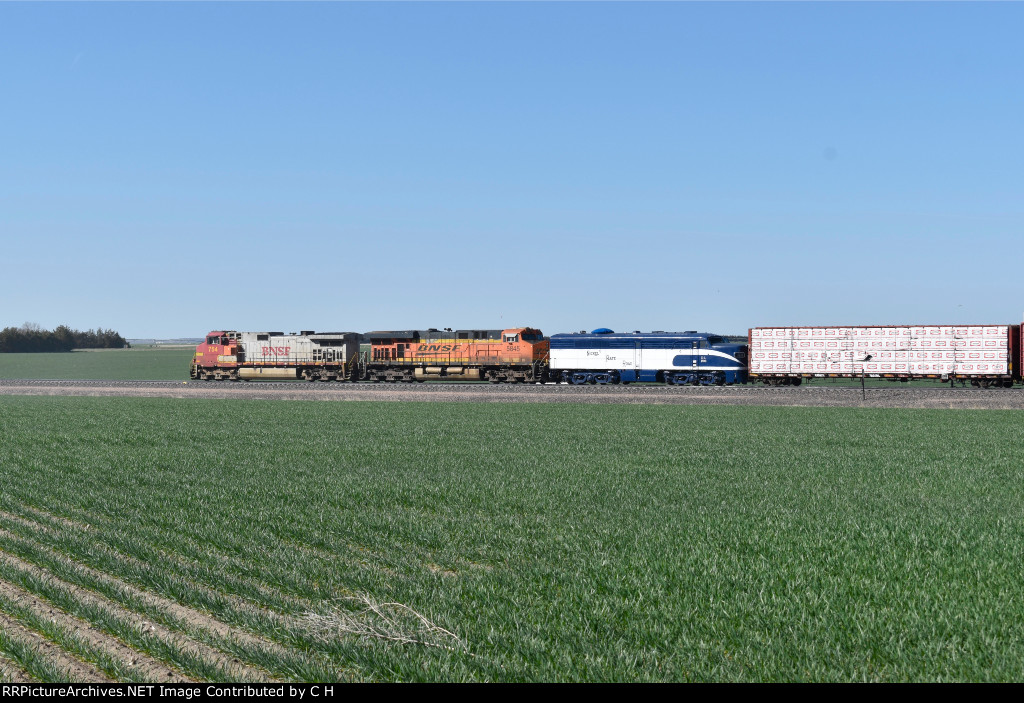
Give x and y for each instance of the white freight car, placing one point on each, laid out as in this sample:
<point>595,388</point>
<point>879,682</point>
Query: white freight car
<point>984,354</point>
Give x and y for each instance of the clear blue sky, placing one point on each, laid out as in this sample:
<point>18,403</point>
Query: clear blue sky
<point>169,169</point>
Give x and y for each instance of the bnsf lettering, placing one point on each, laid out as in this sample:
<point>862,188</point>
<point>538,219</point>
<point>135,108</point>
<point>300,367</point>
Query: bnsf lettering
<point>437,348</point>
<point>276,351</point>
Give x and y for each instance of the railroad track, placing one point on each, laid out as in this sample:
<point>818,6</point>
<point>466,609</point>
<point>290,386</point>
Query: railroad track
<point>498,388</point>
<point>896,396</point>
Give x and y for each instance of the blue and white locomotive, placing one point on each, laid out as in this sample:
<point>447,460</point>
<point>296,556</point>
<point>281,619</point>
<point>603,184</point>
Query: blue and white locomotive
<point>604,356</point>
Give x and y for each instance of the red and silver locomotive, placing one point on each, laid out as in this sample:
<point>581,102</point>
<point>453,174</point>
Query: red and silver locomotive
<point>233,356</point>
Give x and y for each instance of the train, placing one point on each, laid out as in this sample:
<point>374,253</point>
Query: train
<point>983,355</point>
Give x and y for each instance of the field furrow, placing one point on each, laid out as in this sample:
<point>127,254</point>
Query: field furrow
<point>40,549</point>
<point>173,608</point>
<point>59,519</point>
<point>237,578</point>
<point>193,658</point>
<point>41,658</point>
<point>261,652</point>
<point>110,655</point>
<point>12,673</point>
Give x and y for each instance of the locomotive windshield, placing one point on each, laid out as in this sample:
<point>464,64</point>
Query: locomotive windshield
<point>531,337</point>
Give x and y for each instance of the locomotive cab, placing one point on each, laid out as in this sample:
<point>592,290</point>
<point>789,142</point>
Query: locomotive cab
<point>525,345</point>
<point>217,356</point>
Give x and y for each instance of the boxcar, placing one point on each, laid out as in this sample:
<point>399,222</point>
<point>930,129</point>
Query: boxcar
<point>985,355</point>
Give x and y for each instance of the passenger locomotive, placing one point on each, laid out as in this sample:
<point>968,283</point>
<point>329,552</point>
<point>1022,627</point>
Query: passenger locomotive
<point>984,355</point>
<point>680,358</point>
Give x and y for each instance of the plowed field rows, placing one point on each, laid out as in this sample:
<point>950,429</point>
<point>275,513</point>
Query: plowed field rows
<point>148,539</point>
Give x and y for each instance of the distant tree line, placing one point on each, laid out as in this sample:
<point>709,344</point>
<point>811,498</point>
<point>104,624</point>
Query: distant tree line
<point>30,337</point>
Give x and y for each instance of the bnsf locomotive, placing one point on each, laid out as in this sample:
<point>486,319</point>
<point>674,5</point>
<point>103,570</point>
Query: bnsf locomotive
<point>233,356</point>
<point>499,356</point>
<point>984,355</point>
<point>510,356</point>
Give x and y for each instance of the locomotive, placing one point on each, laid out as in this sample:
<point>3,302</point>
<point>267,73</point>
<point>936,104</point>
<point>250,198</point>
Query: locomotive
<point>500,356</point>
<point>234,356</point>
<point>511,356</point>
<point>675,358</point>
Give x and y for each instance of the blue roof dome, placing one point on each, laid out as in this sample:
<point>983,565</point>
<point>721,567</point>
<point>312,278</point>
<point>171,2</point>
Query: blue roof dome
<point>603,330</point>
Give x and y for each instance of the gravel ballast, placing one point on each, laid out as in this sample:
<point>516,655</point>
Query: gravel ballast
<point>820,396</point>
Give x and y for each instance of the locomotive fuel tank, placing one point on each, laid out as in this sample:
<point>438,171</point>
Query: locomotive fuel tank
<point>268,373</point>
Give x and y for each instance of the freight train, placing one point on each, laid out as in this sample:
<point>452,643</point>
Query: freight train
<point>984,355</point>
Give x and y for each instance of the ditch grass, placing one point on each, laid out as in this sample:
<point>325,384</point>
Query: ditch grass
<point>146,364</point>
<point>553,542</point>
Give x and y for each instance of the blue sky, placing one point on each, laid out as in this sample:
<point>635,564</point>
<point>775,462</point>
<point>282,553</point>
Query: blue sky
<point>167,169</point>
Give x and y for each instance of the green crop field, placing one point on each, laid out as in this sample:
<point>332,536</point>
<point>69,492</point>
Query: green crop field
<point>254,540</point>
<point>144,364</point>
